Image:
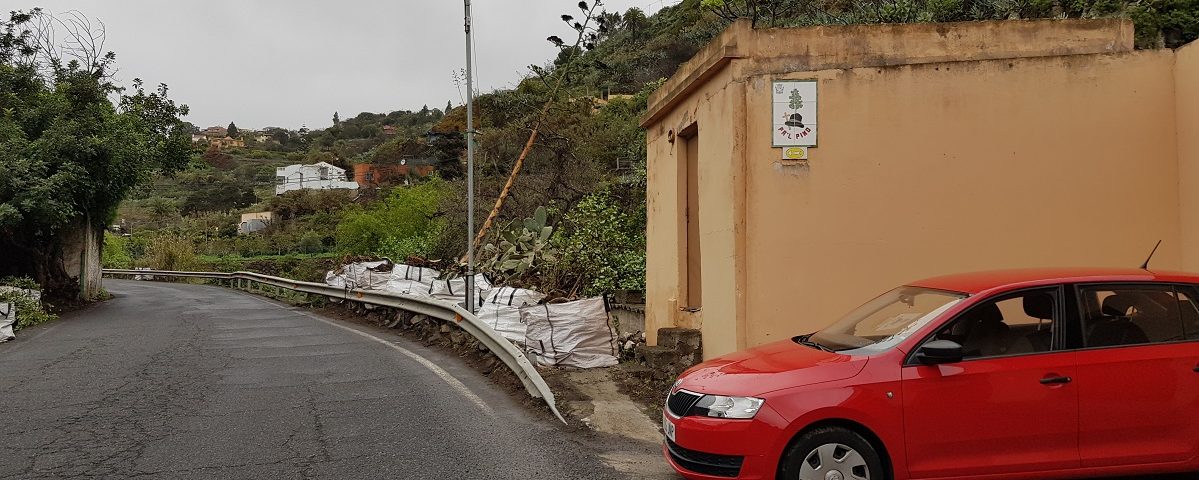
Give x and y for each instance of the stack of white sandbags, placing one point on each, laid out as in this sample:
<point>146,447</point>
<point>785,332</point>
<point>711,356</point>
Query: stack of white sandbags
<point>501,310</point>
<point>361,275</point>
<point>454,289</point>
<point>573,334</point>
<point>411,280</point>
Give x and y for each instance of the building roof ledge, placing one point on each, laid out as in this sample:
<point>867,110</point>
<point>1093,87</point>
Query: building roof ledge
<point>788,50</point>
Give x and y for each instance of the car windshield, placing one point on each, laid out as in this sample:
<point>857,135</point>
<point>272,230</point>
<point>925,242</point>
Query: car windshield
<point>885,321</point>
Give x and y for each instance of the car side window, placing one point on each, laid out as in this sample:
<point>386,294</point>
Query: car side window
<point>1013,324</point>
<point>1119,315</point>
<point>1188,311</point>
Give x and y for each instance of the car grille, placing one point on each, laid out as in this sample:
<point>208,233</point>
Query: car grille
<point>680,402</point>
<point>705,463</point>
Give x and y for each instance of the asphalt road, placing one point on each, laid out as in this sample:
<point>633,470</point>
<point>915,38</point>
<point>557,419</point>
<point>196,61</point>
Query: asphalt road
<point>181,381</point>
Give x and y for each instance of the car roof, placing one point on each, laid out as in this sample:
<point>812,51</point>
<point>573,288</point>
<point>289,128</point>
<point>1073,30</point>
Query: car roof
<point>978,282</point>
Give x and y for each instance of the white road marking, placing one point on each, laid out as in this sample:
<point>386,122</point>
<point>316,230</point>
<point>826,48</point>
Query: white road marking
<point>440,372</point>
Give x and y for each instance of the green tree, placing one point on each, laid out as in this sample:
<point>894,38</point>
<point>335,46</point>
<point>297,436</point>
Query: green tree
<point>232,131</point>
<point>215,192</point>
<point>407,214</point>
<point>336,119</point>
<point>70,155</point>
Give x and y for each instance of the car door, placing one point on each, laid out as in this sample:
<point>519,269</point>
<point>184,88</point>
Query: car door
<point>1137,374</point>
<point>1010,406</point>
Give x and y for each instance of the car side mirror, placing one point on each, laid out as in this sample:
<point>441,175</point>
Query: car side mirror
<point>937,352</point>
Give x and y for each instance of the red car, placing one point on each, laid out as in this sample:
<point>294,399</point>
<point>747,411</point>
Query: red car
<point>1064,373</point>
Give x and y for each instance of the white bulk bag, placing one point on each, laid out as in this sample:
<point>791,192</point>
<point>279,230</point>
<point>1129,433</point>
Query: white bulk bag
<point>361,275</point>
<point>504,320</point>
<point>8,317</point>
<point>454,289</point>
<point>513,297</point>
<point>406,287</point>
<point>574,334</point>
<point>410,280</point>
<point>419,274</point>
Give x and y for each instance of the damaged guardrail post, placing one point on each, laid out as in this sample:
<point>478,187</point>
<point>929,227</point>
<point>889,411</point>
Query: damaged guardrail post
<point>512,357</point>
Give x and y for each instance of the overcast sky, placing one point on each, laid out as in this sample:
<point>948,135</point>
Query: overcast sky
<point>294,62</point>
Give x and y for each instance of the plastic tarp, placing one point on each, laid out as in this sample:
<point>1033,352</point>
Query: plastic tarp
<point>573,334</point>
<point>8,317</point>
<point>501,310</point>
<point>361,275</point>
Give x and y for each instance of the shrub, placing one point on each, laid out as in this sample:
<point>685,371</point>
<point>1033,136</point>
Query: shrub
<point>409,213</point>
<point>401,248</point>
<point>299,203</point>
<point>602,246</point>
<point>116,252</point>
<point>170,252</point>
<point>30,311</point>
<point>310,242</point>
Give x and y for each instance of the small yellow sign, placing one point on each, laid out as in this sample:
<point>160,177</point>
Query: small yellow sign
<point>795,153</point>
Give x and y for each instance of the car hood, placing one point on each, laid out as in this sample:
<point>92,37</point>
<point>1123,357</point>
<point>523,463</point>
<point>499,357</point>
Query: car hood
<point>770,367</point>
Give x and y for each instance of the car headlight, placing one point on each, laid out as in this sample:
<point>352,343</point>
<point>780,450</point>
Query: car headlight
<point>720,406</point>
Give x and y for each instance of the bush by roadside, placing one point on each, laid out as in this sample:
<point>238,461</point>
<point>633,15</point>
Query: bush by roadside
<point>19,292</point>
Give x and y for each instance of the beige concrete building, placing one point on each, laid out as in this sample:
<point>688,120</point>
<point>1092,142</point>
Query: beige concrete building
<point>938,148</point>
<point>255,222</point>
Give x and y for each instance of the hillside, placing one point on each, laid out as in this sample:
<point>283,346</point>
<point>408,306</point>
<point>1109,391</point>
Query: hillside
<point>586,169</point>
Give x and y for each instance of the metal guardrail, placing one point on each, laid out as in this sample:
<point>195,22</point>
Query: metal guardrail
<point>450,312</point>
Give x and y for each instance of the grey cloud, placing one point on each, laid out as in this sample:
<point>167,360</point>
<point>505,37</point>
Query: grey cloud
<point>291,63</point>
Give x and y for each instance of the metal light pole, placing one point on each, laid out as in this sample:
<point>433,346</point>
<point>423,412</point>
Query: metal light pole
<point>470,167</point>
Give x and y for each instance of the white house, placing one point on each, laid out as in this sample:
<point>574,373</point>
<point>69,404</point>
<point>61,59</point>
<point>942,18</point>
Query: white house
<point>318,176</point>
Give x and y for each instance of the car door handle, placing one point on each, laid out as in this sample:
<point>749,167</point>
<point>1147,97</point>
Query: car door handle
<point>1056,380</point>
<point>1196,370</point>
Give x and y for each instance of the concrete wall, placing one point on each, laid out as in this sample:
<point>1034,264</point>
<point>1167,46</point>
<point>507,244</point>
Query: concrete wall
<point>81,252</point>
<point>1186,89</point>
<point>721,179</point>
<point>942,168</point>
<point>1042,148</point>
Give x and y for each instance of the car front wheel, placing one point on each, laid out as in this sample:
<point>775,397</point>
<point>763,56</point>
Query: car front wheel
<point>832,453</point>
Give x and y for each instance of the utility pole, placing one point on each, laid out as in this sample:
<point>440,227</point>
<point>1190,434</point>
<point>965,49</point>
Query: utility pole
<point>470,167</point>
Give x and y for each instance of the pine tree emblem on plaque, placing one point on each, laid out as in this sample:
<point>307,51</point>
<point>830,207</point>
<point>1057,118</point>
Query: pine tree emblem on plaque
<point>794,113</point>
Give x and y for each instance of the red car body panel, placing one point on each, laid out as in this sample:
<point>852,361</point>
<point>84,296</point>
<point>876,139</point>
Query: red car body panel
<point>955,420</point>
<point>1146,397</point>
<point>757,369</point>
<point>972,406</point>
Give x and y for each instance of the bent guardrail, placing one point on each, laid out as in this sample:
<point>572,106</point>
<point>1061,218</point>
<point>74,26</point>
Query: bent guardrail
<point>500,347</point>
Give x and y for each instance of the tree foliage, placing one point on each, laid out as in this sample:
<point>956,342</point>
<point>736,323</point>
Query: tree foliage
<point>603,246</point>
<point>70,155</point>
<point>409,214</point>
<point>1159,23</point>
